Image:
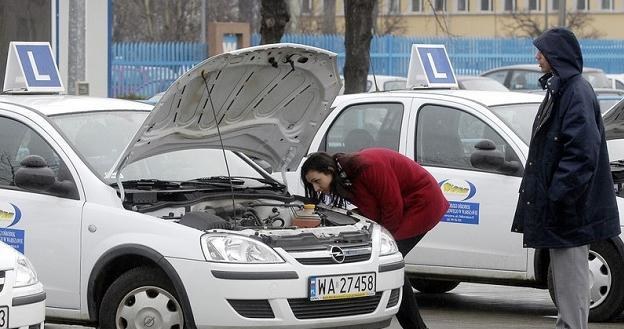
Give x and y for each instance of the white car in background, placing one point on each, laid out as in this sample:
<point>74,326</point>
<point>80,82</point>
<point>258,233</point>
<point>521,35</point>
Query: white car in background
<point>617,80</point>
<point>22,299</point>
<point>475,143</point>
<point>140,216</point>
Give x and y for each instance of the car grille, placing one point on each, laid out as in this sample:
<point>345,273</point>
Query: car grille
<point>394,298</point>
<point>330,260</point>
<point>303,308</point>
<point>252,308</point>
<point>1,280</point>
<point>352,254</point>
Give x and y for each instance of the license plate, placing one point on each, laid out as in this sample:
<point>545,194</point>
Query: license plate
<point>4,316</point>
<point>342,286</point>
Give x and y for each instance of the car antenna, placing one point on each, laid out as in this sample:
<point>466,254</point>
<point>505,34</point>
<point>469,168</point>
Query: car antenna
<point>227,167</point>
<point>374,77</point>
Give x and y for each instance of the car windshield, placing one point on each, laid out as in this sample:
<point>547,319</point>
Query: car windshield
<point>100,137</point>
<point>518,117</point>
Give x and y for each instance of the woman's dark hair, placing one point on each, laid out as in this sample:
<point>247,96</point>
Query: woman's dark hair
<point>339,187</point>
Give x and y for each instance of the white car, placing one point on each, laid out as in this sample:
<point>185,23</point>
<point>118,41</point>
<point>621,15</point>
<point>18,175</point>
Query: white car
<point>22,299</point>
<point>616,80</point>
<point>163,232</point>
<point>375,83</point>
<point>443,130</point>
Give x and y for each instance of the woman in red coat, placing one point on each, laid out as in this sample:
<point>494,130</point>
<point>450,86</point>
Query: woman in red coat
<point>387,187</point>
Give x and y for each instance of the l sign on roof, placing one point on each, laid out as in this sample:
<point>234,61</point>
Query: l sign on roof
<point>31,67</point>
<point>430,67</point>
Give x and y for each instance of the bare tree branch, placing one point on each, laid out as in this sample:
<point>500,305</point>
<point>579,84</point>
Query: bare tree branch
<point>528,24</point>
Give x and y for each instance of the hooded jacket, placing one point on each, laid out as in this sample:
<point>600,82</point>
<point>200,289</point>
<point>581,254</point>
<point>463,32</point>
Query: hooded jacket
<point>566,195</point>
<point>394,191</point>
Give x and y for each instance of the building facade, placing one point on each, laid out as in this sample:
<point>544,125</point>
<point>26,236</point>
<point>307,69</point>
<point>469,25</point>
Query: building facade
<point>487,18</point>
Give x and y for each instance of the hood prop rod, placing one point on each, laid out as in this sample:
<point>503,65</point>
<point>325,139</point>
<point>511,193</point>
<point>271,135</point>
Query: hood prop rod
<point>227,167</point>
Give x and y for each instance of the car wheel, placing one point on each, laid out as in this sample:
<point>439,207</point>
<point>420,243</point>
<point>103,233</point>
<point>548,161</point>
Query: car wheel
<point>141,298</point>
<point>606,273</point>
<point>433,286</point>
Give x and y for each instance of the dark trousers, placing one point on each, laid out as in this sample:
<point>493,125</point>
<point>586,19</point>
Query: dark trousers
<point>408,315</point>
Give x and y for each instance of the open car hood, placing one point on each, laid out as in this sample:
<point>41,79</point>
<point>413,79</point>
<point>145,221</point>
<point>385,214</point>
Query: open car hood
<point>267,102</point>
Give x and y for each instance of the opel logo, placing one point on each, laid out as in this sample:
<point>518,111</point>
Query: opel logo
<point>337,254</point>
<point>148,321</point>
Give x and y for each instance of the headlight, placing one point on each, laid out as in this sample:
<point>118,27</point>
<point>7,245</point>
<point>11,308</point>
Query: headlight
<point>25,273</point>
<point>237,249</point>
<point>388,246</point>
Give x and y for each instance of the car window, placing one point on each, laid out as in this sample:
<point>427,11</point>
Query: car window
<point>17,141</point>
<point>498,76</point>
<point>365,125</point>
<point>525,80</point>
<point>446,138</point>
<point>394,85</point>
<point>619,84</point>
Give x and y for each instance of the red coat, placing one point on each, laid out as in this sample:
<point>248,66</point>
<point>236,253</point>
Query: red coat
<point>395,191</point>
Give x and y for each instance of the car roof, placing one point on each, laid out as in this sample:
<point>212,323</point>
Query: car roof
<point>61,104</point>
<point>532,67</point>
<point>487,98</point>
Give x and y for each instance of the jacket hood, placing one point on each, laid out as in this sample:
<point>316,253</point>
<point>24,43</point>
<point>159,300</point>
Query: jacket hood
<point>562,50</point>
<point>266,101</point>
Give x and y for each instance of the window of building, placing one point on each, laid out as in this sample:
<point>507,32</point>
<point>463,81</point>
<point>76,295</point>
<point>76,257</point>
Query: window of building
<point>606,5</point>
<point>462,5</point>
<point>416,6</point>
<point>440,5</point>
<point>582,4</point>
<point>486,5</point>
<point>306,7</point>
<point>509,5</point>
<point>394,7</point>
<point>555,4</point>
<point>534,5</point>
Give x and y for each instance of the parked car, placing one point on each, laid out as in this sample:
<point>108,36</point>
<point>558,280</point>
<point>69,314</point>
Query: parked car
<point>152,215</point>
<point>524,77</point>
<point>607,97</point>
<point>443,130</point>
<point>380,83</point>
<point>616,80</point>
<point>22,299</point>
<point>140,80</point>
<point>474,82</point>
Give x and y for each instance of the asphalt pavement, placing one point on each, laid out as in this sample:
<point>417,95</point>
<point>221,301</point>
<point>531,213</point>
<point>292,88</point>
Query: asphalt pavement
<point>477,306</point>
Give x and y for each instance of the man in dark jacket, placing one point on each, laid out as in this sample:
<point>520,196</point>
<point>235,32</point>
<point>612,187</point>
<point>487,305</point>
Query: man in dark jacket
<point>566,197</point>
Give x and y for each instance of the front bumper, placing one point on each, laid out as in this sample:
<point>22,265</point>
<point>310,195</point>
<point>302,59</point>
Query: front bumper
<point>276,295</point>
<point>25,305</point>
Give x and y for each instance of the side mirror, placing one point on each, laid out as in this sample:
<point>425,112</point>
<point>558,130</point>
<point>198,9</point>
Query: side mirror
<point>487,157</point>
<point>35,175</point>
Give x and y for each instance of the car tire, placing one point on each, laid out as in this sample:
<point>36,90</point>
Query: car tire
<point>144,296</point>
<point>433,286</point>
<point>607,286</point>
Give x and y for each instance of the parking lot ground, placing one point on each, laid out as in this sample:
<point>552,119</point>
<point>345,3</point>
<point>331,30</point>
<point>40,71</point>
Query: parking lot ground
<point>478,306</point>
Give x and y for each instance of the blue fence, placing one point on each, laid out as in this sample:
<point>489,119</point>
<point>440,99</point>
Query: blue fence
<point>143,69</point>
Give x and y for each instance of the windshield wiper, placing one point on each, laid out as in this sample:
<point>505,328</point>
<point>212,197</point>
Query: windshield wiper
<point>149,184</point>
<point>218,179</point>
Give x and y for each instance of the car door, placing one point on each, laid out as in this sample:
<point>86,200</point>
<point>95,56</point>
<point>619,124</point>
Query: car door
<point>371,120</point>
<point>475,232</point>
<point>42,225</point>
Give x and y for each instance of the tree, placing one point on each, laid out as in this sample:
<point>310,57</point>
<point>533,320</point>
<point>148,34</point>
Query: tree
<point>274,17</point>
<point>329,17</point>
<point>249,12</point>
<point>358,35</point>
<point>528,24</point>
